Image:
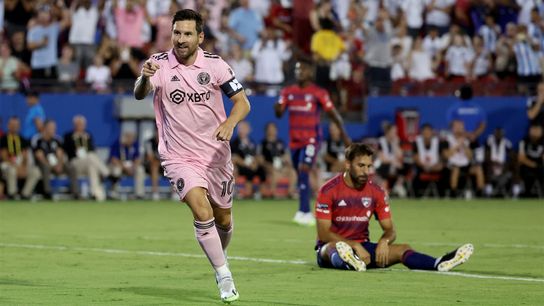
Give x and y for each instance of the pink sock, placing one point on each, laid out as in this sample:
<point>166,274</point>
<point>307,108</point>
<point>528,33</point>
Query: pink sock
<point>209,241</point>
<point>224,233</point>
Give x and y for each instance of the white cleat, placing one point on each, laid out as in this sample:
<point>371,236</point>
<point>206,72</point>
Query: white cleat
<point>309,219</point>
<point>346,253</point>
<point>227,290</point>
<point>455,258</point>
<point>299,218</point>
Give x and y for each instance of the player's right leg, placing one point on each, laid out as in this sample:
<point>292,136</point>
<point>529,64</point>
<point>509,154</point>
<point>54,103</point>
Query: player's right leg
<point>340,256</point>
<point>208,238</point>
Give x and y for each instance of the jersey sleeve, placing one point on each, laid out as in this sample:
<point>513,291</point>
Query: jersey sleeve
<point>325,100</point>
<point>323,205</point>
<point>282,101</point>
<point>382,211</point>
<point>226,79</point>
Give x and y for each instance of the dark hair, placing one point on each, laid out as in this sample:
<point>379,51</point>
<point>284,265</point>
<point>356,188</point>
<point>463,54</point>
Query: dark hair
<point>426,125</point>
<point>188,14</point>
<point>464,93</point>
<point>306,61</point>
<point>358,149</point>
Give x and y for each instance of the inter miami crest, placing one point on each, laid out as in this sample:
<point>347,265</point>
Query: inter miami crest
<point>203,78</point>
<point>180,184</point>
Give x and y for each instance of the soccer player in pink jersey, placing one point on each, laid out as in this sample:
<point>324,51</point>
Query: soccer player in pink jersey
<point>194,133</point>
<point>344,207</point>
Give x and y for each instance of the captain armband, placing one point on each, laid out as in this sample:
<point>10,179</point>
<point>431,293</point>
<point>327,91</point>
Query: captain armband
<point>231,87</point>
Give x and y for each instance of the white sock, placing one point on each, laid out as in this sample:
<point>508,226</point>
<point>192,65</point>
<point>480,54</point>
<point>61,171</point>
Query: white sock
<point>223,271</point>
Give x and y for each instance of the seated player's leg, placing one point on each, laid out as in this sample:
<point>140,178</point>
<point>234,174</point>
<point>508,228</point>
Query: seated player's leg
<point>420,261</point>
<point>339,256</point>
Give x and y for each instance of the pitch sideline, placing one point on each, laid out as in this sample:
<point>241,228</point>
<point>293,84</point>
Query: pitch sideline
<point>241,258</point>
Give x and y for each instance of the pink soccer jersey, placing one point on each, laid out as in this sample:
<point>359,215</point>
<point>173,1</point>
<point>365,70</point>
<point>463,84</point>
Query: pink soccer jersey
<point>188,105</point>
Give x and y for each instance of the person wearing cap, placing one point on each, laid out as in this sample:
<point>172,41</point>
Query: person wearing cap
<point>35,117</point>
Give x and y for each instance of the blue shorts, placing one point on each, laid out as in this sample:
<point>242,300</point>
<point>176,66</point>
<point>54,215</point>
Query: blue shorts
<point>305,155</point>
<point>370,247</point>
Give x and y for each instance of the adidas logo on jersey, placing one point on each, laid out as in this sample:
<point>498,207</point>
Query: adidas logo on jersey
<point>342,203</point>
<point>174,79</point>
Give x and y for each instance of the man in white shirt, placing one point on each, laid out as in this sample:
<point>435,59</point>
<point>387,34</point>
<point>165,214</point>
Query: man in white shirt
<point>438,14</point>
<point>458,58</point>
<point>413,14</point>
<point>84,18</point>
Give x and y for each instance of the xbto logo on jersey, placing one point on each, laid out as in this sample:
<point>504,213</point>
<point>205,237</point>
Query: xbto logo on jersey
<point>177,96</point>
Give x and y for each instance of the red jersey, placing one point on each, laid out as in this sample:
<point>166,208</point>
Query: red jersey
<point>304,105</point>
<point>350,209</point>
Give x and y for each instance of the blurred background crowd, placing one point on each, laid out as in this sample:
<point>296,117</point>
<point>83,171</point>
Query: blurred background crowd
<point>361,48</point>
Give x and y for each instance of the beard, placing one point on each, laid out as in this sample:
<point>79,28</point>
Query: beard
<point>358,180</point>
<point>184,51</point>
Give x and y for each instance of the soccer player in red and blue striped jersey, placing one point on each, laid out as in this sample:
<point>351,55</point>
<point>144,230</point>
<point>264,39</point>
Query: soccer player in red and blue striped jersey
<point>344,207</point>
<point>305,102</point>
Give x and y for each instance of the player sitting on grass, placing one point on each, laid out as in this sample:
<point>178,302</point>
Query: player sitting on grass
<point>344,207</point>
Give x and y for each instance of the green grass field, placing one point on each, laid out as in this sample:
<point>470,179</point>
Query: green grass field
<point>144,253</point>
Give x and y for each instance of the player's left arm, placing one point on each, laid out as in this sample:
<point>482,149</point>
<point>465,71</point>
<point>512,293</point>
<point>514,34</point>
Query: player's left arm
<point>239,111</point>
<point>389,235</point>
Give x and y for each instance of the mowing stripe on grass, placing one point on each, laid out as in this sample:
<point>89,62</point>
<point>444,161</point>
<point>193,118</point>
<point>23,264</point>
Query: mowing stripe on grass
<point>241,258</point>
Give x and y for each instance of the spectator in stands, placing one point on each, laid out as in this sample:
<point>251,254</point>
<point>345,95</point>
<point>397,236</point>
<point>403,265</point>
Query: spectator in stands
<point>79,147</point>
<point>427,159</point>
<point>240,64</point>
<point>481,66</point>
<point>67,68</point>
<point>152,163</point>
<point>433,43</point>
<point>11,70</point>
<point>334,150</point>
<point>84,19</point>
<point>246,25</point>
<point>505,62</point>
<point>326,46</point>
<point>458,58</point>
<point>403,39</point>
<point>16,163</point>
<point>323,10</point>
<point>438,14</point>
<point>457,152</point>
<point>371,10</point>
<point>398,63</point>
<point>35,116</point>
<point>280,18</point>
<point>49,156</point>
<point>420,64</point>
<point>498,163</point>
<point>378,54</point>
<point>531,160</point>
<point>244,158</point>
<point>490,32</point>
<point>17,15</point>
<point>98,75</point>
<point>413,15</point>
<point>19,49</point>
<point>274,157</point>
<point>528,62</point>
<point>129,21</point>
<point>269,53</point>
<point>391,160</point>
<point>42,40</point>
<point>526,8</point>
<point>448,38</point>
<point>161,20</point>
<point>125,160</point>
<point>125,67</point>
<point>535,107</point>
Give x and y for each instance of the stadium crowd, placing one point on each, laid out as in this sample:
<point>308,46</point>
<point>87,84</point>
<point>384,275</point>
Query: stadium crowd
<point>361,48</point>
<point>407,47</point>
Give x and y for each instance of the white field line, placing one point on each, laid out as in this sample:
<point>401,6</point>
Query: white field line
<point>241,258</point>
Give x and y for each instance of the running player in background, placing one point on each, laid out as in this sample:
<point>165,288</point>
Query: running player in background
<point>344,207</point>
<point>305,101</point>
<point>194,134</point>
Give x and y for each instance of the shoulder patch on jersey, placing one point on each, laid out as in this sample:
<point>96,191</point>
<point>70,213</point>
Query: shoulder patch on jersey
<point>161,56</point>
<point>210,55</point>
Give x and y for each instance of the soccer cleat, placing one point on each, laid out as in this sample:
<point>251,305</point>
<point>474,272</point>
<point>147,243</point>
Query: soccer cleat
<point>455,258</point>
<point>227,290</point>
<point>346,253</point>
<point>299,218</point>
<point>309,219</point>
